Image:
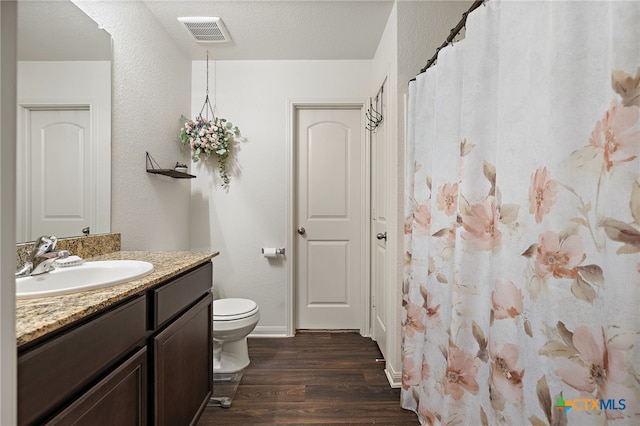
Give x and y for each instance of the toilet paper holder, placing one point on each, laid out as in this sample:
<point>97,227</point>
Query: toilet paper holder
<point>278,250</point>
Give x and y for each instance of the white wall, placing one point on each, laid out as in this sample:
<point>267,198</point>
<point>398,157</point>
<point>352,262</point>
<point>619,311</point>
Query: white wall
<point>255,96</point>
<point>151,89</point>
<point>8,402</point>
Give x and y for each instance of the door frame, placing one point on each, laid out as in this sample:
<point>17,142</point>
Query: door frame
<point>365,263</point>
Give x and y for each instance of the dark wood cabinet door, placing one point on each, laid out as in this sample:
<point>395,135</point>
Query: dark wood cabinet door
<point>119,399</point>
<point>183,367</point>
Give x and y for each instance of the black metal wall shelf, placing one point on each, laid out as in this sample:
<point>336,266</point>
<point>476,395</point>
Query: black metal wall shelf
<point>166,172</point>
<point>171,173</point>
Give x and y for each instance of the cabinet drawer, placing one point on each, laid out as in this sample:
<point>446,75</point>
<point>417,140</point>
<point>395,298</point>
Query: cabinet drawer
<point>51,373</point>
<point>174,297</point>
<point>118,399</point>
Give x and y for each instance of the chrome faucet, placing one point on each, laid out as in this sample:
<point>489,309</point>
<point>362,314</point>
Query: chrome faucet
<point>47,264</point>
<point>44,254</point>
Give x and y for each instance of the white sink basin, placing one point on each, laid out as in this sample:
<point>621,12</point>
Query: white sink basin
<point>88,276</point>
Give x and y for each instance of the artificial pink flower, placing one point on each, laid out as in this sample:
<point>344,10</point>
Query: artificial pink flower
<point>506,299</point>
<point>447,198</point>
<point>614,134</point>
<point>505,377</point>
<point>411,375</point>
<point>422,217</point>
<point>461,374</point>
<point>599,368</point>
<point>542,193</point>
<point>415,319</point>
<point>481,227</point>
<point>559,259</point>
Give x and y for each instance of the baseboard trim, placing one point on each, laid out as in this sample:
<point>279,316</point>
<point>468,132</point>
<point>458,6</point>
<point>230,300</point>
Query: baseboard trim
<point>269,331</point>
<point>281,331</point>
<point>394,378</point>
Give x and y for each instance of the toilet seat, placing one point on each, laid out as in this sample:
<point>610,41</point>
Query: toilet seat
<point>232,309</point>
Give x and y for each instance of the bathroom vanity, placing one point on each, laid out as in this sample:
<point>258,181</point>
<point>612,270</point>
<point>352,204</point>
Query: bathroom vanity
<point>134,354</point>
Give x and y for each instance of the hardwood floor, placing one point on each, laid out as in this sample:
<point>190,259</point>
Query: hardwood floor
<point>313,378</point>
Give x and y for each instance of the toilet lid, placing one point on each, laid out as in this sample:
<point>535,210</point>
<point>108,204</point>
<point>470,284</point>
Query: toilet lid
<point>233,308</point>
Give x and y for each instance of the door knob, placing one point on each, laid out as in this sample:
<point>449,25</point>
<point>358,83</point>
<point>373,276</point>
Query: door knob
<point>382,236</point>
<point>301,230</point>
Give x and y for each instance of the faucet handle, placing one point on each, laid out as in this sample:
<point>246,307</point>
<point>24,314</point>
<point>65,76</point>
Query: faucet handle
<point>43,244</point>
<point>53,241</point>
<point>60,254</point>
<point>39,247</point>
<point>48,263</point>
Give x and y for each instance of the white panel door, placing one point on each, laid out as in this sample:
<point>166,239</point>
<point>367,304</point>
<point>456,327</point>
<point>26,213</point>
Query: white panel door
<point>330,147</point>
<point>60,169</point>
<point>379,191</point>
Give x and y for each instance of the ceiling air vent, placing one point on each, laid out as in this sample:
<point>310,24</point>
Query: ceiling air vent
<point>206,29</point>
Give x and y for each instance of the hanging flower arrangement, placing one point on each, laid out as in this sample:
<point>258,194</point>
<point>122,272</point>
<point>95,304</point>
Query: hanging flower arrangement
<point>207,137</point>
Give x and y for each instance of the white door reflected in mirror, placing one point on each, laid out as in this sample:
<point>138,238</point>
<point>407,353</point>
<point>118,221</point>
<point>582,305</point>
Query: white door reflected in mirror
<point>60,172</point>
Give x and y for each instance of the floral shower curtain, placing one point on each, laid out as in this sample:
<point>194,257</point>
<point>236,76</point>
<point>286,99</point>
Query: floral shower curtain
<point>521,297</point>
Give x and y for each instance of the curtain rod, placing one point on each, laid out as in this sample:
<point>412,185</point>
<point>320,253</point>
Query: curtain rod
<point>452,34</point>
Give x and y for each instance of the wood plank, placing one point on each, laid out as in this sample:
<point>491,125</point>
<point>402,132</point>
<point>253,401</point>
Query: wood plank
<point>304,376</point>
<point>272,393</point>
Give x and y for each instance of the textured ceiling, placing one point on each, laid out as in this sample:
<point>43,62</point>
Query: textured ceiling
<point>273,30</point>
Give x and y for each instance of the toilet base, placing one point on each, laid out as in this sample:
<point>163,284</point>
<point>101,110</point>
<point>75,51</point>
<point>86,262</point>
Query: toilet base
<point>229,364</point>
<point>230,357</point>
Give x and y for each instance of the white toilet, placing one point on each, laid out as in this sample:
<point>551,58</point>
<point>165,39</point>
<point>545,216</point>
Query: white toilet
<point>233,320</point>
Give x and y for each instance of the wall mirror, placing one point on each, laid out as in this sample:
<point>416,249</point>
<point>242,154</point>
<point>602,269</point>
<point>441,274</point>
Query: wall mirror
<point>63,162</point>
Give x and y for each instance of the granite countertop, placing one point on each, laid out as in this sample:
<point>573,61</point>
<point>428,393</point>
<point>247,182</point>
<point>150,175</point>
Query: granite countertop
<point>38,317</point>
